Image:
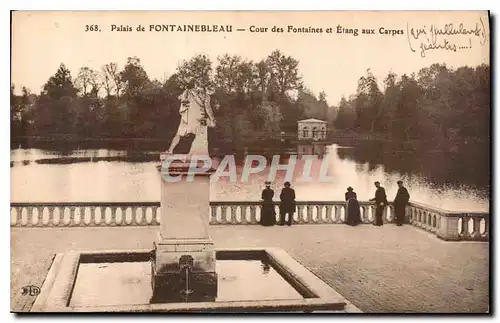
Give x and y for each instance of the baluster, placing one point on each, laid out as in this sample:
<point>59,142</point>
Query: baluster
<point>144,221</point>
<point>137,214</point>
<point>134,214</point>
<point>156,215</point>
<point>113,215</point>
<point>364,212</point>
<point>413,215</point>
<point>391,214</point>
<point>431,221</point>
<point>476,232</point>
<point>423,220</point>
<point>65,210</point>
<point>243,212</point>
<point>233,218</point>
<point>123,212</point>
<point>60,216</point>
<point>428,223</point>
<point>71,220</point>
<point>253,214</point>
<point>19,217</point>
<point>13,216</point>
<point>438,221</point>
<point>338,211</point>
<point>36,215</point>
<point>223,214</point>
<point>486,227</point>
<point>213,215</point>
<point>309,213</point>
<point>104,219</point>
<point>76,214</point>
<point>92,220</point>
<point>50,222</point>
<point>300,209</point>
<point>433,224</point>
<point>319,212</point>
<point>465,227</point>
<point>328,213</point>
<point>29,216</point>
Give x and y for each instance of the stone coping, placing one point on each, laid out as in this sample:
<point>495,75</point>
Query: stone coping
<point>58,286</point>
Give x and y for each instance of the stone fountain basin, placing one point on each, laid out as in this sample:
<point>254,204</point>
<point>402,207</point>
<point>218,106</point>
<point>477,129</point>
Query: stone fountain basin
<point>249,280</point>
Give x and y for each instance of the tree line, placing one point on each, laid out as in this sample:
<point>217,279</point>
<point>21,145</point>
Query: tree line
<point>252,100</point>
<point>438,106</point>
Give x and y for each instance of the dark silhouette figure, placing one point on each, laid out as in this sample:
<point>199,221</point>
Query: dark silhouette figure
<point>267,214</point>
<point>380,202</point>
<point>400,202</point>
<point>353,215</point>
<point>287,205</point>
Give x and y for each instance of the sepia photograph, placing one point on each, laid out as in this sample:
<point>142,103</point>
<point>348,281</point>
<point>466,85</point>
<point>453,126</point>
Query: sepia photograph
<point>250,162</point>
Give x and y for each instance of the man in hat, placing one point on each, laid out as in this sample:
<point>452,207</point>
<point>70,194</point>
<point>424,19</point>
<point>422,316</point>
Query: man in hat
<point>400,202</point>
<point>287,205</point>
<point>380,202</point>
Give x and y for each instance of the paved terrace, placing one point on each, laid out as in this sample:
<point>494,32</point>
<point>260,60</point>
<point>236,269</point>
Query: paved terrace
<point>379,269</point>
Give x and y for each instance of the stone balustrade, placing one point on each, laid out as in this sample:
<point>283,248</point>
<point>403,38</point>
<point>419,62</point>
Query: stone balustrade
<point>449,225</point>
<point>84,214</point>
<point>445,224</point>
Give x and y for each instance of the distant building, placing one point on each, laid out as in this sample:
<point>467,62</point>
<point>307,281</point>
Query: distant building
<point>312,129</point>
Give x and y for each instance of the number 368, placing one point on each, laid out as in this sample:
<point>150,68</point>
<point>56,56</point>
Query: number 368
<point>92,28</point>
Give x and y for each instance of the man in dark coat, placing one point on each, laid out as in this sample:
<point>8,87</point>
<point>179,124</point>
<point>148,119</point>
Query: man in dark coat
<point>400,202</point>
<point>380,202</point>
<point>287,205</point>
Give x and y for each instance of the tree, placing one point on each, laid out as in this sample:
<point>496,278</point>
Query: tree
<point>389,102</point>
<point>88,81</point>
<point>284,71</point>
<point>60,85</point>
<point>368,103</point>
<point>55,105</point>
<point>134,77</point>
<point>112,79</point>
<point>197,69</point>
<point>346,116</point>
<point>407,114</point>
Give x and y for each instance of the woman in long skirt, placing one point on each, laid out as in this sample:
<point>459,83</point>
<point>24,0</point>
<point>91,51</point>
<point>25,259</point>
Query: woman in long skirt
<point>353,216</point>
<point>267,213</point>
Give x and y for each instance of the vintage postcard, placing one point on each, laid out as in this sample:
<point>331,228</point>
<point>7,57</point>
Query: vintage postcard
<point>247,161</point>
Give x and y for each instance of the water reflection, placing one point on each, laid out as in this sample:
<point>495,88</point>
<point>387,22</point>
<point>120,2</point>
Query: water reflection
<point>454,181</point>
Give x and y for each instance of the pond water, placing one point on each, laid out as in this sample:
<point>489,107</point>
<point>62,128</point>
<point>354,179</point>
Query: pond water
<point>446,180</point>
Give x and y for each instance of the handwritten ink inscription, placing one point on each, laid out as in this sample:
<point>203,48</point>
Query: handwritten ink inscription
<point>448,37</point>
<point>30,290</point>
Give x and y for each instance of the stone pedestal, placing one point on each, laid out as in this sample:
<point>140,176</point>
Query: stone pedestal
<point>183,268</point>
<point>448,227</point>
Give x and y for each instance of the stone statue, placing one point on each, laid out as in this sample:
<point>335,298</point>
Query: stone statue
<point>196,115</point>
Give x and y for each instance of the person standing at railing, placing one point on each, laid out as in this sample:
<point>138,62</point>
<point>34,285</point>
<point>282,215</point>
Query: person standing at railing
<point>267,214</point>
<point>287,205</point>
<point>380,202</point>
<point>353,216</point>
<point>400,202</point>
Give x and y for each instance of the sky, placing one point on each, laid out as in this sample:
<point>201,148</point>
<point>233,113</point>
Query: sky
<point>329,62</point>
